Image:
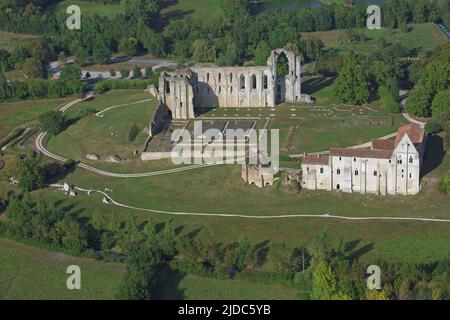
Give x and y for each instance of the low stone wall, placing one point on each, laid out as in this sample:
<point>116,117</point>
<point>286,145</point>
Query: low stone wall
<point>149,156</point>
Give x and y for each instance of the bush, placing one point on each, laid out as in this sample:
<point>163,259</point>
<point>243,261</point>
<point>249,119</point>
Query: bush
<point>433,127</point>
<point>71,72</point>
<point>124,73</point>
<point>106,85</point>
<point>444,184</point>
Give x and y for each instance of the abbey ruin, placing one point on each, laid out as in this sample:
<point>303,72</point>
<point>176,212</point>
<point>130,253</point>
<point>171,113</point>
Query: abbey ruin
<point>208,87</point>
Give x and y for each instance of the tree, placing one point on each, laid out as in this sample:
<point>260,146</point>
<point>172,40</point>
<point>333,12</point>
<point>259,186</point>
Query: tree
<point>202,51</point>
<point>140,278</point>
<point>137,73</point>
<point>389,101</point>
<point>31,174</point>
<point>71,72</point>
<point>101,53</point>
<point>261,53</point>
<point>432,127</point>
<point>52,122</point>
<point>5,91</point>
<point>440,106</point>
<point>419,101</point>
<point>352,84</point>
<point>324,283</point>
<point>81,55</point>
<point>243,250</point>
<point>33,68</point>
<point>129,46</point>
<point>235,9</point>
<point>68,234</point>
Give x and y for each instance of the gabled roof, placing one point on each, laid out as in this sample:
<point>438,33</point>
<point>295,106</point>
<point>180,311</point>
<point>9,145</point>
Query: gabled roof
<point>361,153</point>
<point>414,132</point>
<point>317,159</point>
<point>381,144</point>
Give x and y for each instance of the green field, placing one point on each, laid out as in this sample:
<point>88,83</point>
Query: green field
<point>30,273</point>
<point>13,114</point>
<point>90,8</point>
<point>108,135</point>
<point>197,288</point>
<point>423,37</point>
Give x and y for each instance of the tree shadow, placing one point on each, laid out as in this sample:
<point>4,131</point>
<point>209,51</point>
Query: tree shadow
<point>357,253</point>
<point>313,85</point>
<point>434,154</point>
<point>168,284</point>
<point>194,233</point>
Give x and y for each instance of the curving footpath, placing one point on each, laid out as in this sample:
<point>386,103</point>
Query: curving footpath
<point>41,148</point>
<point>230,215</point>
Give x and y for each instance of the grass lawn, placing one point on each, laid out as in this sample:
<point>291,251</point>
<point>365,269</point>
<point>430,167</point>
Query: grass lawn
<point>198,288</point>
<point>31,273</point>
<point>198,8</point>
<point>90,8</point>
<point>424,37</point>
<point>108,135</point>
<point>13,114</point>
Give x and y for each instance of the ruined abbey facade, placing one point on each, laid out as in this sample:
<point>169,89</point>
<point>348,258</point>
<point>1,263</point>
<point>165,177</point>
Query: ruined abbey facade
<point>209,87</point>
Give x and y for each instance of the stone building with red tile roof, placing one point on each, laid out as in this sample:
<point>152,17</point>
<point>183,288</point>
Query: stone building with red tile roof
<point>388,167</point>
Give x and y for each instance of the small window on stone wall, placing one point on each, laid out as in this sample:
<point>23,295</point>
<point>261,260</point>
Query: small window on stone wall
<point>242,83</point>
<point>410,159</point>
<point>207,77</point>
<point>220,77</point>
<point>265,82</point>
<point>321,170</point>
<point>231,77</point>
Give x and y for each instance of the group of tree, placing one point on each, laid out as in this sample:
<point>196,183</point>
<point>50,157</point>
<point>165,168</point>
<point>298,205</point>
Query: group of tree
<point>233,36</point>
<point>16,90</point>
<point>43,224</point>
<point>429,97</point>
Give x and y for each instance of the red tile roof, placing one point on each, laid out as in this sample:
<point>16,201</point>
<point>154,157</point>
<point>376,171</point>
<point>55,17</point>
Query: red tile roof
<point>414,131</point>
<point>383,144</point>
<point>361,153</point>
<point>317,159</point>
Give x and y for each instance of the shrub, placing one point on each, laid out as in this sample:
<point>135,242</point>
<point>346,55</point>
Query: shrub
<point>444,184</point>
<point>124,73</point>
